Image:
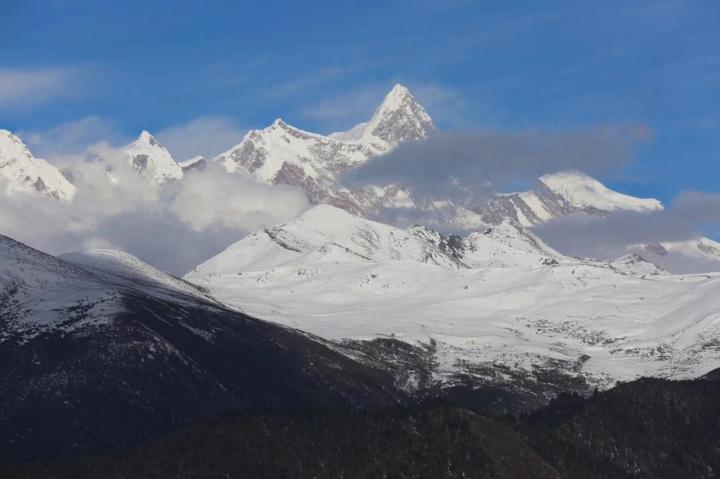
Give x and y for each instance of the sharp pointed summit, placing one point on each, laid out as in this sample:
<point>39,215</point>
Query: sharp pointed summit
<point>152,160</point>
<point>399,118</point>
<point>147,138</point>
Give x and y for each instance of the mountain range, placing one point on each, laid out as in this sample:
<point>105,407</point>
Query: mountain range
<point>103,351</point>
<point>315,163</point>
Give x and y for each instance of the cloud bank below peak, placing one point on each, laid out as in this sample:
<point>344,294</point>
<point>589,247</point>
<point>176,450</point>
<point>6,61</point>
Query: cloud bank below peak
<point>690,216</point>
<point>173,228</point>
<point>433,167</point>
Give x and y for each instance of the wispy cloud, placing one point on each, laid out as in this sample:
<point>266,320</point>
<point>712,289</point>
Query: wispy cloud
<point>347,108</point>
<point>174,228</point>
<point>205,135</point>
<point>72,136</point>
<point>691,215</point>
<point>23,88</point>
<point>314,79</point>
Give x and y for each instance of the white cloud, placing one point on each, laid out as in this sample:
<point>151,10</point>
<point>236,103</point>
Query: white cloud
<point>25,88</point>
<point>174,228</point>
<point>215,199</point>
<point>204,135</point>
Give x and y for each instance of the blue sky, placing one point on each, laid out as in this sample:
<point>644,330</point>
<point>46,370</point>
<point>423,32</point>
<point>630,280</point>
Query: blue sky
<point>111,69</point>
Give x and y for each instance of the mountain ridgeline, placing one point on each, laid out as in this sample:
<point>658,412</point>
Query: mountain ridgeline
<point>284,154</point>
<point>336,345</point>
<point>101,352</point>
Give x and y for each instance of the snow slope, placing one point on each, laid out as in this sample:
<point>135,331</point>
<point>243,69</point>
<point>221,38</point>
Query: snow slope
<point>26,173</point>
<point>41,293</point>
<point>498,297</point>
<point>564,193</point>
<point>584,192</point>
<point>101,351</point>
<point>123,265</point>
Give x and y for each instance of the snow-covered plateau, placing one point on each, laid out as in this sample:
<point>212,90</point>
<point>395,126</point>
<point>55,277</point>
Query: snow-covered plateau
<point>499,297</point>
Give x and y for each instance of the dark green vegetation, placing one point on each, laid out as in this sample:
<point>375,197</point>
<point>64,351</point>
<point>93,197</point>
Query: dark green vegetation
<point>645,429</point>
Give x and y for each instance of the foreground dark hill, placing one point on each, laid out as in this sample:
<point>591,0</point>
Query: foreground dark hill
<point>99,351</point>
<point>650,428</point>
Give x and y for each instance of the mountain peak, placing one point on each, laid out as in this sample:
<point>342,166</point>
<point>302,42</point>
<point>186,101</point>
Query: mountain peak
<point>399,118</point>
<point>147,139</point>
<point>397,95</point>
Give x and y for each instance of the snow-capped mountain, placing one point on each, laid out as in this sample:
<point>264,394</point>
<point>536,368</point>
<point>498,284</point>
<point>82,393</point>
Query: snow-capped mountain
<point>283,154</point>
<point>497,298</point>
<point>101,350</point>
<point>24,172</point>
<point>152,160</point>
<point>564,193</point>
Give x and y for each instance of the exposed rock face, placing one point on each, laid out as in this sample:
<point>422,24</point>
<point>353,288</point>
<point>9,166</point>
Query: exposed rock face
<point>398,119</point>
<point>283,154</point>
